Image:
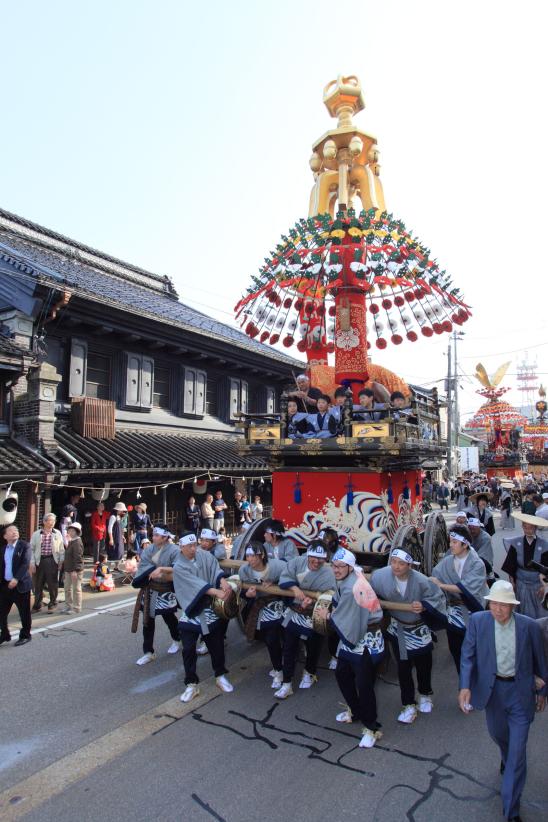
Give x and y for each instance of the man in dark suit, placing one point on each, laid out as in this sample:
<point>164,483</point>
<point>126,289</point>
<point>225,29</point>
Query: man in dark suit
<point>15,584</point>
<point>504,671</point>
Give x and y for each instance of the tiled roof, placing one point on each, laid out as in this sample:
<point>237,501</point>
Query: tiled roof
<point>133,449</point>
<point>15,460</point>
<point>52,258</point>
<point>12,349</point>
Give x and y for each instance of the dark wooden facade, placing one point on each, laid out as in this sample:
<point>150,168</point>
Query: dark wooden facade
<point>123,384</point>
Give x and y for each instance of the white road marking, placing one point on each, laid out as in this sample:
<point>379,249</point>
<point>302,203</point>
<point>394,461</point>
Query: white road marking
<point>97,612</point>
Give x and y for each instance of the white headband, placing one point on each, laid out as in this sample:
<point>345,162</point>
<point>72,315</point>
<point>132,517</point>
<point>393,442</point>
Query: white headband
<point>207,533</point>
<point>189,539</point>
<point>458,537</point>
<point>399,553</point>
<point>475,521</point>
<point>318,552</point>
<point>342,555</point>
<point>161,532</point>
<point>461,514</point>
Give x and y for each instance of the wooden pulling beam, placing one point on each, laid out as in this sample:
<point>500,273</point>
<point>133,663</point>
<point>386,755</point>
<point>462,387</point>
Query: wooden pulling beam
<point>275,589</point>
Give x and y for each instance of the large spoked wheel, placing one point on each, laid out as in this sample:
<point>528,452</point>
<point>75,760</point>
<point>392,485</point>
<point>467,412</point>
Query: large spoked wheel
<point>407,538</point>
<point>436,541</point>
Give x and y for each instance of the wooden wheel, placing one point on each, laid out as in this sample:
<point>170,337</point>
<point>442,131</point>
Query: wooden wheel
<point>407,537</point>
<point>436,541</point>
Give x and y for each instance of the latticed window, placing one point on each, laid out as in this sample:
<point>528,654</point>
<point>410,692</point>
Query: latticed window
<point>98,376</point>
<point>161,397</point>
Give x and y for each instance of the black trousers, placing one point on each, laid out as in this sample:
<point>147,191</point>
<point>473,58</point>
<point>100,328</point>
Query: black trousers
<point>47,572</point>
<point>313,646</point>
<point>272,636</point>
<point>423,666</point>
<point>8,598</point>
<point>148,630</point>
<point>455,640</point>
<point>332,643</point>
<point>215,642</point>
<point>356,679</point>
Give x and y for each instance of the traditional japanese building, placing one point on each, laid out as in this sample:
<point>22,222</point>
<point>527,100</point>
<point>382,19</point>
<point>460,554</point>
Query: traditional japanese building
<point>108,380</point>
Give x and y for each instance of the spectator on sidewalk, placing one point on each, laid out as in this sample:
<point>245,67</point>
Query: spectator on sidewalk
<point>193,515</point>
<point>219,507</point>
<point>207,512</point>
<point>443,496</point>
<point>73,566</point>
<point>140,524</point>
<point>15,584</point>
<point>48,550</point>
<point>116,542</point>
<point>256,509</point>
<point>99,522</point>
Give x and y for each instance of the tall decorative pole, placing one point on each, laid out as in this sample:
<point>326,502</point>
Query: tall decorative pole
<point>335,271</point>
<point>344,162</point>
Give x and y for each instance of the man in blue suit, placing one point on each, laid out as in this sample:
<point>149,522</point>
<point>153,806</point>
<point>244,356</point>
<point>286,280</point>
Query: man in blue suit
<point>504,671</point>
<point>15,584</point>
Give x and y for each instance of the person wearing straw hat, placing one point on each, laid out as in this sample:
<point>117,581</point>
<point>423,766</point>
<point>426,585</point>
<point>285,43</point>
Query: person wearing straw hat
<point>504,672</point>
<point>409,635</point>
<point>506,520</point>
<point>521,551</point>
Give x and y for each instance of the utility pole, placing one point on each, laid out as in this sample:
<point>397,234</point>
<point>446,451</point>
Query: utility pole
<point>456,415</point>
<point>449,413</point>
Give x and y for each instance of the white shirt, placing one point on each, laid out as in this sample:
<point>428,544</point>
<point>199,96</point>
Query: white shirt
<point>459,564</point>
<point>401,586</point>
<point>542,511</point>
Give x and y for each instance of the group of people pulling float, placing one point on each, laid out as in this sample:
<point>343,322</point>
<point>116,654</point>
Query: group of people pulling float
<point>287,597</point>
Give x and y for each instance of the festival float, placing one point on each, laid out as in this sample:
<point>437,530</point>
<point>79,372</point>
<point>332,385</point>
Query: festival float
<point>499,425</point>
<point>535,437</point>
<point>343,284</point>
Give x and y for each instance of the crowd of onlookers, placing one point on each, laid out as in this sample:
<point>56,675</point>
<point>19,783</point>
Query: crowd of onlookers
<point>54,557</point>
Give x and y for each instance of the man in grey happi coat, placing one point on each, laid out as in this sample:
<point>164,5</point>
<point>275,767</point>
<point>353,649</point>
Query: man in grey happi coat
<point>408,632</point>
<point>156,596</point>
<point>308,572</point>
<point>461,575</point>
<point>197,577</point>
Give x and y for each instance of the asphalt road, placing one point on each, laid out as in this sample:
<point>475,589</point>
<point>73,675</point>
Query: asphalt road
<point>85,734</point>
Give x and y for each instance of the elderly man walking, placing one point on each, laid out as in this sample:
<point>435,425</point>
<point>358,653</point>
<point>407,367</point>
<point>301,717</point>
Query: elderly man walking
<point>504,671</point>
<point>48,550</point>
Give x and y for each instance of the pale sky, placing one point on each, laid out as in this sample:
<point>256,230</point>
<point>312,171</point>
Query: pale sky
<point>176,135</point>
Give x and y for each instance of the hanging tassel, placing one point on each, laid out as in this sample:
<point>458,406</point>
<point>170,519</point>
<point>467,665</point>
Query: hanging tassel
<point>182,486</point>
<point>297,495</point>
<point>405,492</point>
<point>349,494</point>
<point>390,492</point>
<point>138,494</point>
<point>155,490</point>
